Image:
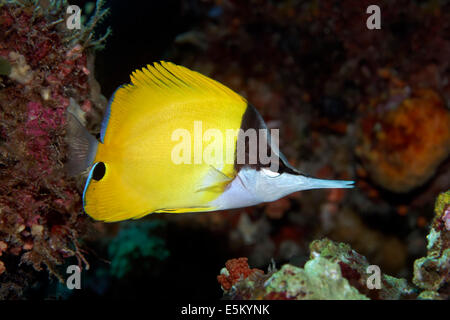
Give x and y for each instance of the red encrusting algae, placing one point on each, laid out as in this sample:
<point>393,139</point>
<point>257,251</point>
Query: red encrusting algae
<point>41,216</point>
<point>236,270</point>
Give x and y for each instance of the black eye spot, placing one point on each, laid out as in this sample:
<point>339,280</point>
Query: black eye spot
<point>99,171</point>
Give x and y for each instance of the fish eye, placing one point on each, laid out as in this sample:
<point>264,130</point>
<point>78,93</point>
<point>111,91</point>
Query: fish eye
<point>99,171</point>
<point>270,173</point>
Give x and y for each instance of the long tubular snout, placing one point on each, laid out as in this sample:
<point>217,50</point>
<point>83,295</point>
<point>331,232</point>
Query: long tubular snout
<point>313,183</point>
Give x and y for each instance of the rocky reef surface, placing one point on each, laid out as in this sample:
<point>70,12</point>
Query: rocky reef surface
<point>432,273</point>
<point>336,272</point>
<point>45,69</point>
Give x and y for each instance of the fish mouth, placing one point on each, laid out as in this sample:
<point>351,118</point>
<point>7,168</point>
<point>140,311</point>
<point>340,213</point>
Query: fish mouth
<point>314,183</point>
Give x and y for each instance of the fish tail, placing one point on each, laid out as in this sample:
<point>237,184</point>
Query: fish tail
<point>82,146</point>
<point>314,183</point>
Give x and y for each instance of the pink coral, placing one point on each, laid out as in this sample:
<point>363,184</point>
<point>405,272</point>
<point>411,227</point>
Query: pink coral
<point>40,210</point>
<point>41,122</point>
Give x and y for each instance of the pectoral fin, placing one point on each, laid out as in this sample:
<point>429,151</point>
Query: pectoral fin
<point>214,178</point>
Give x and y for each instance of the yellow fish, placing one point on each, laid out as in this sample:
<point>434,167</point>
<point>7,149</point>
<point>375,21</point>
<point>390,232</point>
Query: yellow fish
<point>135,168</point>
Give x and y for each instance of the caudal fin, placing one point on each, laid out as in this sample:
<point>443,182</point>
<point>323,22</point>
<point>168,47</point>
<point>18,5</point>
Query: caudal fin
<point>81,144</point>
<point>314,183</point>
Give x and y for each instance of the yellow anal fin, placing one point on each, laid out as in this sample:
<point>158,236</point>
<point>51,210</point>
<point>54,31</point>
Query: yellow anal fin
<point>185,210</point>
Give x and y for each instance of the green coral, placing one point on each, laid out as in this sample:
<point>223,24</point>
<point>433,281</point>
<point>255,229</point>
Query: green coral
<point>354,267</point>
<point>320,279</point>
<point>442,202</point>
<point>335,251</point>
<point>431,272</point>
<point>429,295</point>
<point>396,288</point>
<point>432,237</point>
<point>136,242</point>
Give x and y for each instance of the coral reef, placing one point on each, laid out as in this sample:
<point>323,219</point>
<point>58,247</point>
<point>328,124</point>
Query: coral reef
<point>334,271</point>
<point>41,219</point>
<point>313,71</point>
<point>432,273</point>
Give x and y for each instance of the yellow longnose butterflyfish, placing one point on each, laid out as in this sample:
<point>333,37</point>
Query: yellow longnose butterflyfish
<point>135,168</point>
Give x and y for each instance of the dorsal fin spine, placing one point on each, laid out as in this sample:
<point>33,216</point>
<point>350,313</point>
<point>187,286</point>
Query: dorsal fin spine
<point>169,75</point>
<point>164,73</point>
<point>153,72</point>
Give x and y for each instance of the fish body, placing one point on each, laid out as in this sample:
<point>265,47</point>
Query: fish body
<point>133,169</point>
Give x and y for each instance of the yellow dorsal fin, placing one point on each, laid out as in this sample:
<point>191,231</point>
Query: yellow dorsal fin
<point>160,86</point>
<point>166,77</point>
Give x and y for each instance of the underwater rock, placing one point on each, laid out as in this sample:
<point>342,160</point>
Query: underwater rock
<point>405,139</point>
<point>334,271</point>
<point>432,273</point>
<point>41,218</point>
